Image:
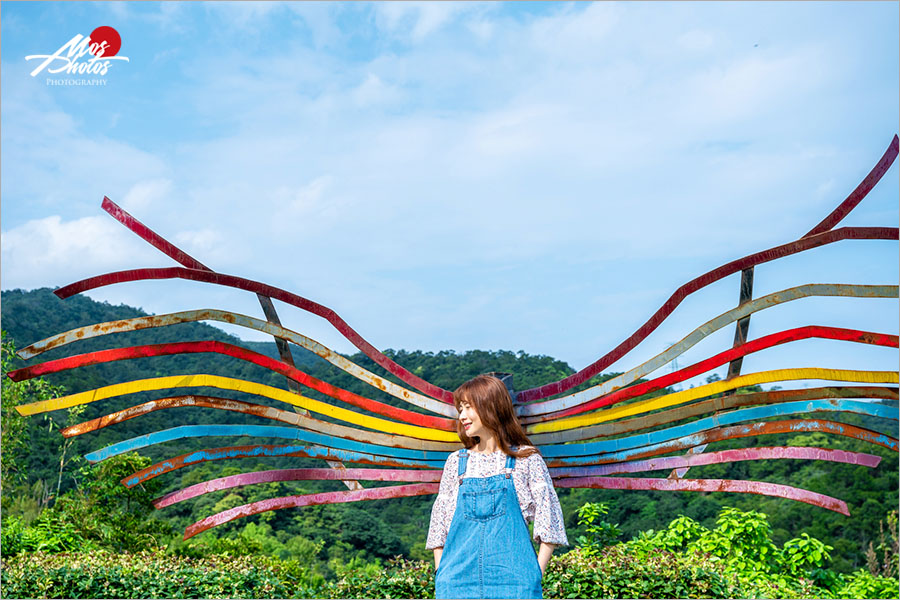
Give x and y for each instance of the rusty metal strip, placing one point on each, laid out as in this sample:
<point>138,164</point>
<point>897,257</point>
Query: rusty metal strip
<point>116,354</point>
<point>861,190</point>
<point>272,451</point>
<point>237,385</point>
<point>397,491</point>
<point>396,475</point>
<point>729,433</point>
<point>259,410</point>
<point>709,485</point>
<point>720,457</point>
<point>256,477</point>
<point>723,433</point>
<point>705,407</point>
<point>757,345</point>
<point>169,249</point>
<point>676,398</point>
<point>259,431</point>
<point>583,449</point>
<point>711,326</point>
<point>872,409</point>
<point>149,322</point>
<point>550,389</point>
<point>257,287</point>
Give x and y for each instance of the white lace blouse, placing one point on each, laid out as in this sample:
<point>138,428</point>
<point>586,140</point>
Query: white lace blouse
<point>534,489</point>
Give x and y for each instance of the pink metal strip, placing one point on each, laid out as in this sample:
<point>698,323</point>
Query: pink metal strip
<point>655,464</point>
<point>399,491</point>
<point>242,479</point>
<point>709,485</point>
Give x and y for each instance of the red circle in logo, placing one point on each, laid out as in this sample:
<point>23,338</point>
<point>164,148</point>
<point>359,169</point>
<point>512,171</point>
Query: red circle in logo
<point>110,36</point>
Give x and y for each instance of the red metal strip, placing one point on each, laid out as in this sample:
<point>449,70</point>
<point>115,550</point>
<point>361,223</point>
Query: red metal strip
<point>266,290</point>
<point>397,491</point>
<point>115,354</point>
<point>712,405</point>
<point>768,341</point>
<point>861,190</point>
<point>709,485</point>
<point>242,479</point>
<point>889,233</point>
<point>185,259</point>
<point>150,236</point>
<point>844,233</point>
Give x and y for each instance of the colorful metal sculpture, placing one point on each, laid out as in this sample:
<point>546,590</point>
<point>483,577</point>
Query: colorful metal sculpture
<point>585,437</point>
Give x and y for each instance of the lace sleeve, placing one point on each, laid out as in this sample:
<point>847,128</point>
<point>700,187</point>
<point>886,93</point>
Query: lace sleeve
<point>444,505</point>
<point>549,526</point>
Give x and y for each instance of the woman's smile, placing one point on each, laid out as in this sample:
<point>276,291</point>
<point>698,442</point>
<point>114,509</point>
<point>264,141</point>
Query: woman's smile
<point>469,420</point>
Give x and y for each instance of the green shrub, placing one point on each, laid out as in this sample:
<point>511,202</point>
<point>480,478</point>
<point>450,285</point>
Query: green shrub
<point>104,574</point>
<point>621,572</point>
<point>400,578</point>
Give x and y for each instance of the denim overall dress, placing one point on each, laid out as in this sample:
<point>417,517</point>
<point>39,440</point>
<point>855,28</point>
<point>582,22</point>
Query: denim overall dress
<point>488,551</point>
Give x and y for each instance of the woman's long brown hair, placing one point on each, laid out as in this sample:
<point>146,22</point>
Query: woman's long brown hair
<point>490,399</point>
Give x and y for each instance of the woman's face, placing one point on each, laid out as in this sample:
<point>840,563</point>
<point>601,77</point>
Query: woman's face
<point>470,420</point>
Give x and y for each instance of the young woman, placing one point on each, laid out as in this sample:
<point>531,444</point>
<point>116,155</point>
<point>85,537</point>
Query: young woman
<point>488,490</point>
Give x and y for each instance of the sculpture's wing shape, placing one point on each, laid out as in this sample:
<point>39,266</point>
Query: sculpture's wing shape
<point>586,437</point>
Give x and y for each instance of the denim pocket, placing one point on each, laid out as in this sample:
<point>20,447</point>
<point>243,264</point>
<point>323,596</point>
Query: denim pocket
<point>484,505</point>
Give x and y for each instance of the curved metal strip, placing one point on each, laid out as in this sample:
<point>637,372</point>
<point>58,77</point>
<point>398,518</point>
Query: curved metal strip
<point>242,479</point>
<point>709,485</point>
<point>705,407</point>
<point>237,385</point>
<point>730,433</point>
<point>872,409</point>
<point>723,433</point>
<point>189,316</point>
<point>844,233</point>
<point>711,326</point>
<point>273,451</point>
<point>260,431</point>
<point>768,341</point>
<point>656,464</point>
<point>267,290</point>
<point>800,245</point>
<point>582,449</point>
<point>266,412</point>
<point>397,491</point>
<point>722,456</point>
<point>865,186</point>
<point>710,389</point>
<point>150,350</point>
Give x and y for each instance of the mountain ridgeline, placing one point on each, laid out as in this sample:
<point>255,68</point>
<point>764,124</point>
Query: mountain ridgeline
<point>385,528</point>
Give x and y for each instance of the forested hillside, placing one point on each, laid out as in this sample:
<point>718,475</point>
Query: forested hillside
<point>382,529</point>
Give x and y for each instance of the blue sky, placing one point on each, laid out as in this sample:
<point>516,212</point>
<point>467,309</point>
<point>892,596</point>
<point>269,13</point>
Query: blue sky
<point>528,176</point>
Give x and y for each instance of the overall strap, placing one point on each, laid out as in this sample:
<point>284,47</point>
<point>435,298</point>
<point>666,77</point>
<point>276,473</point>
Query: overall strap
<point>511,460</point>
<point>463,459</point>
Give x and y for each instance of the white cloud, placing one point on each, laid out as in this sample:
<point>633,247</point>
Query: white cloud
<point>52,252</point>
<point>418,20</point>
<point>374,92</point>
<point>144,194</point>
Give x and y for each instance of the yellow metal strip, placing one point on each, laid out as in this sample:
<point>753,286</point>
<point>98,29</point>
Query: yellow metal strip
<point>238,385</point>
<point>710,389</point>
